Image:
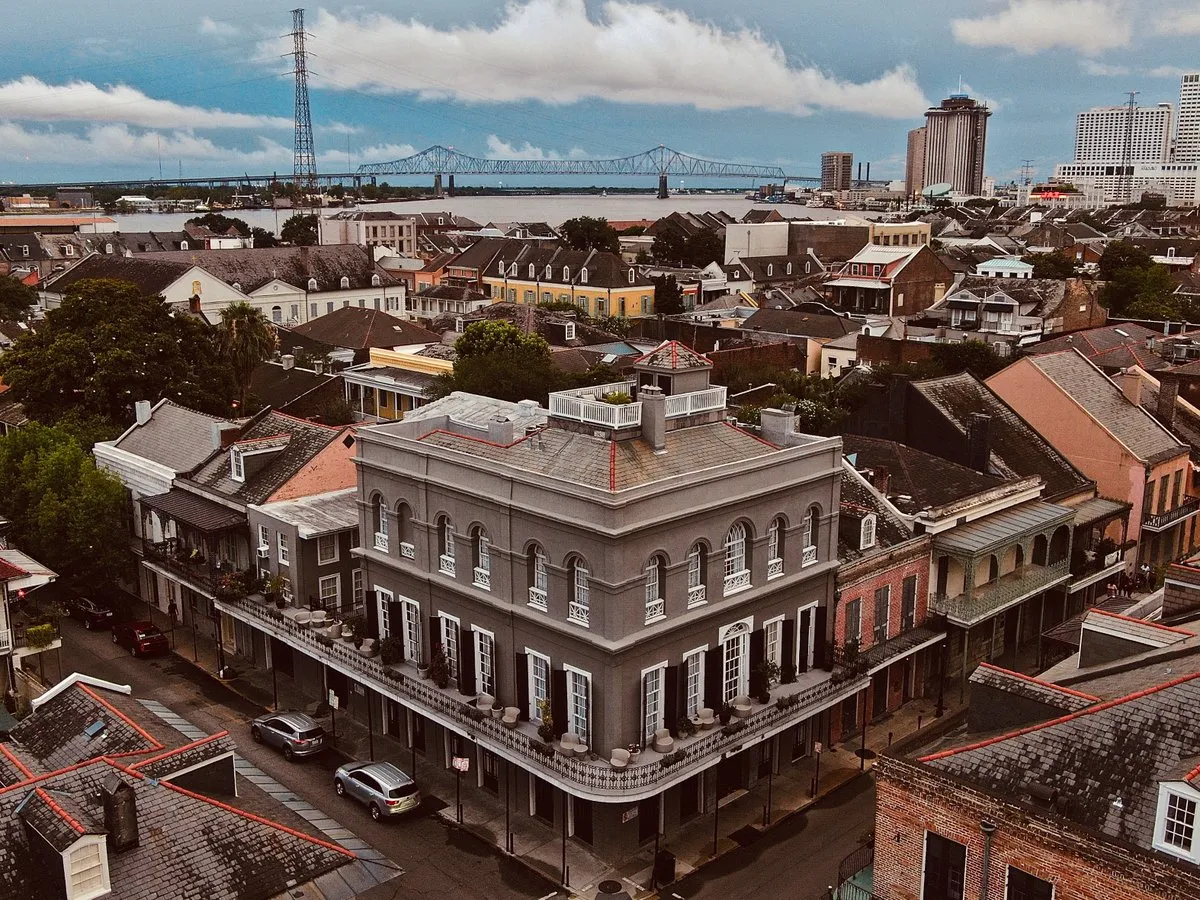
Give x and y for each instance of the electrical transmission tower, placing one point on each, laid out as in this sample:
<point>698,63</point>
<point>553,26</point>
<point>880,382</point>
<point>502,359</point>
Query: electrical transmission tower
<point>304,157</point>
<point>1026,172</point>
<point>1126,193</point>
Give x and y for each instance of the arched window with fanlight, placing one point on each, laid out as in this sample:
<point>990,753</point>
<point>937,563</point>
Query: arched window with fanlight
<point>697,561</point>
<point>775,535</point>
<point>811,529</point>
<point>446,546</point>
<point>481,558</point>
<point>737,559</point>
<point>539,582</point>
<point>579,607</point>
<point>404,530</point>
<point>656,588</point>
<point>379,522</point>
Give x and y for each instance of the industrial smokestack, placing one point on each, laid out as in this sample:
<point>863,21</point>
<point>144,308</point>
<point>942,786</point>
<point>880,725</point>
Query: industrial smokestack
<point>868,171</point>
<point>860,171</point>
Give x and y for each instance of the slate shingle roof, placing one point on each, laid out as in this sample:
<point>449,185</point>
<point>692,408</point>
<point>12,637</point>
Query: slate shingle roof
<point>858,499</point>
<point>1110,347</point>
<point>1066,699</point>
<point>148,272</point>
<point>360,329</point>
<point>805,324</point>
<point>1118,750</point>
<point>927,480</point>
<point>176,437</point>
<point>252,269</point>
<point>674,355</point>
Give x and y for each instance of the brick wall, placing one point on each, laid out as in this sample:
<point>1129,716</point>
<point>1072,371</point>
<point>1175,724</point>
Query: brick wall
<point>778,355</point>
<point>864,588</point>
<point>881,350</point>
<point>911,799</point>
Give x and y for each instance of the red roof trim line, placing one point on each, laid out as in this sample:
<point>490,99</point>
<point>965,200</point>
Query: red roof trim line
<point>62,813</point>
<point>16,761</point>
<point>1102,612</point>
<point>176,750</point>
<point>1047,684</point>
<point>612,465</point>
<point>240,812</point>
<point>761,440</point>
<point>37,779</point>
<point>8,571</point>
<point>154,744</point>
<point>1100,707</point>
<point>1195,773</point>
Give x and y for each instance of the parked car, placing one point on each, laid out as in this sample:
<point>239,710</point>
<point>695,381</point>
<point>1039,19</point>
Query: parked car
<point>295,733</point>
<point>383,787</point>
<point>92,613</point>
<point>140,638</point>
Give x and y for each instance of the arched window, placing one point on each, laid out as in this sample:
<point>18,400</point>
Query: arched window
<point>737,569</point>
<point>481,557</point>
<point>108,248</point>
<point>579,607</point>
<point>532,271</point>
<point>866,532</point>
<point>789,269</point>
<point>697,575</point>
<point>375,281</point>
<point>770,269</point>
<point>345,282</point>
<point>566,273</point>
<point>277,315</point>
<point>237,286</point>
<point>379,521</point>
<point>183,245</point>
<point>312,284</point>
<point>656,585</point>
<point>631,276</point>
<point>404,530</point>
<point>583,275</point>
<point>775,549</point>
<point>811,527</point>
<point>445,546</point>
<point>501,267</point>
<point>538,582</point>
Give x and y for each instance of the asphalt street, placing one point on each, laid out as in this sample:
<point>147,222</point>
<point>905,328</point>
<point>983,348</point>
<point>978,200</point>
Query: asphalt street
<point>439,861</point>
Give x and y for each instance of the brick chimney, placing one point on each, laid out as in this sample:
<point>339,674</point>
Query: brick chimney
<point>1131,386</point>
<point>881,478</point>
<point>1168,393</point>
<point>979,442</point>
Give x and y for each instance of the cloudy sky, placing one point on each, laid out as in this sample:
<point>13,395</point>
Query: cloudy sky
<point>204,89</point>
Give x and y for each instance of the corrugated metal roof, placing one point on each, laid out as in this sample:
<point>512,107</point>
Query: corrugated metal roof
<point>194,510</point>
<point>1002,527</point>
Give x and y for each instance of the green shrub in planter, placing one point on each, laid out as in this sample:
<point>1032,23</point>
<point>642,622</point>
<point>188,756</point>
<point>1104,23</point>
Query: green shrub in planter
<point>391,650</point>
<point>38,636</point>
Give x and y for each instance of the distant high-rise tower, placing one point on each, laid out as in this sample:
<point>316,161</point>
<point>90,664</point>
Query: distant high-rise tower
<point>836,167</point>
<point>1187,133</point>
<point>955,139</point>
<point>1101,134</point>
<point>304,156</point>
<point>914,164</point>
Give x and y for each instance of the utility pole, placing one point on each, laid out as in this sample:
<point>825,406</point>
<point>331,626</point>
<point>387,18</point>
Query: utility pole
<point>1126,192</point>
<point>304,170</point>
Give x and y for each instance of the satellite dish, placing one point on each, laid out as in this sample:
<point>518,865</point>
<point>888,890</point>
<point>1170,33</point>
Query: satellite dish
<point>941,189</point>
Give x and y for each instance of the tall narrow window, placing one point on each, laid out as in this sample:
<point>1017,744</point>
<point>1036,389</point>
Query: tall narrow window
<point>412,631</point>
<point>446,546</point>
<point>737,574</point>
<point>809,554</point>
<point>773,641</point>
<point>539,684</point>
<point>853,629</point>
<point>656,604</point>
<point>908,603</point>
<point>883,611</point>
<point>693,665</point>
<point>485,662</point>
<point>404,534</point>
<point>357,582</point>
<point>579,691</point>
<point>697,575</point>
<point>449,633</point>
<point>775,549</point>
<point>538,582</point>
<point>285,557</point>
<point>481,551</point>
<point>652,702</point>
<point>736,660</point>
<point>579,607</point>
<point>380,523</point>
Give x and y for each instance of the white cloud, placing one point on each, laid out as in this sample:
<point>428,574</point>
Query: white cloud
<point>551,51</point>
<point>338,159</point>
<point>1178,22</point>
<point>29,99</point>
<point>1030,26</point>
<point>216,29</point>
<point>501,149</point>
<point>1103,70</point>
<point>117,144</point>
<point>1167,71</point>
<point>338,128</point>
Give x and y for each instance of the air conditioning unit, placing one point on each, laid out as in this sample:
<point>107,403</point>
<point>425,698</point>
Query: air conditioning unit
<point>264,551</point>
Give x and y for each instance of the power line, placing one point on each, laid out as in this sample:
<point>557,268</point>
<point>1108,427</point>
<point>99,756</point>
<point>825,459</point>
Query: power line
<point>304,157</point>
<point>1127,151</point>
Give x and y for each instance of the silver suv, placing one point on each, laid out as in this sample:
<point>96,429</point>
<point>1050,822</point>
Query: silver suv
<point>383,787</point>
<point>294,733</point>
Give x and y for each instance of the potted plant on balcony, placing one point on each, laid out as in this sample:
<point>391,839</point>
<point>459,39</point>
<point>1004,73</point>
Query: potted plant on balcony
<point>787,674</point>
<point>274,590</point>
<point>685,728</point>
<point>391,650</point>
<point>39,636</point>
<point>546,728</point>
<point>766,675</point>
<point>439,671</point>
<point>725,713</point>
<point>617,398</point>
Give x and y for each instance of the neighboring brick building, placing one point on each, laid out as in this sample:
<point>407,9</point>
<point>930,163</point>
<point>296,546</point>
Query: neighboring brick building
<point>890,281</point>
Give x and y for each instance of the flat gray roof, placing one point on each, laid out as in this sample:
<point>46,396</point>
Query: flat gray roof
<point>318,514</point>
<point>1002,527</point>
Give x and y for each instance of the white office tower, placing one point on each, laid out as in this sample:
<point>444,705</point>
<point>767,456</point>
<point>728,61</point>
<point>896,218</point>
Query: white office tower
<point>1187,134</point>
<point>1100,134</point>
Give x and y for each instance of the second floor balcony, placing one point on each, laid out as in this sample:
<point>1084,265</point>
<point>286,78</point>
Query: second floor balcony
<point>986,600</point>
<point>1164,520</point>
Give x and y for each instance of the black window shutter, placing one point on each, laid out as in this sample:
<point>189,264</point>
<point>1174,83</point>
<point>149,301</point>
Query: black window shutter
<point>466,663</point>
<point>671,704</point>
<point>396,623</point>
<point>372,614</point>
<point>758,653</point>
<point>521,676</point>
<point>435,633</point>
<point>558,701</point>
<point>821,649</point>
<point>805,626</point>
<point>712,679</point>
<point>789,642</point>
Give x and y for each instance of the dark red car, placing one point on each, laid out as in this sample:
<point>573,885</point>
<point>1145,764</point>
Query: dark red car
<point>140,638</point>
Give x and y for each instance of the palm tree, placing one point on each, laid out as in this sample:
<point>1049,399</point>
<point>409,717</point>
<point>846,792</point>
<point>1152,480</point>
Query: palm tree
<point>246,340</point>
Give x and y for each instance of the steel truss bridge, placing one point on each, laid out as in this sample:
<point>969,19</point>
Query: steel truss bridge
<point>659,162</point>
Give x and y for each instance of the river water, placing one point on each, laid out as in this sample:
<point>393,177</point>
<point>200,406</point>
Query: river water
<point>553,209</point>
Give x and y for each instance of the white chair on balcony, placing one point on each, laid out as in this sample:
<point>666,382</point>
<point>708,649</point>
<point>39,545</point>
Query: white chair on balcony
<point>569,743</point>
<point>741,707</point>
<point>663,742</point>
<point>485,702</point>
<point>511,714</point>
<point>705,718</point>
<point>302,618</point>
<point>318,619</point>
<point>619,758</point>
<point>368,647</point>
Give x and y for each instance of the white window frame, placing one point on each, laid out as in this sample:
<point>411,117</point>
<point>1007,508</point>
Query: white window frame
<point>537,663</point>
<point>774,557</point>
<point>697,590</point>
<point>1187,793</point>
<point>327,560</point>
<point>285,551</point>
<point>656,601</point>
<point>264,538</point>
<point>809,651</point>
<point>737,574</point>
<point>381,524</point>
<point>579,607</point>
<point>693,692</point>
<point>237,464</point>
<point>539,591</point>
<point>382,598</point>
<point>735,633</point>
<point>322,582</point>
<point>446,559</point>
<point>579,720</point>
<point>654,688</point>
<point>359,588</point>
<point>485,660</point>
<point>411,629</point>
<point>773,640</point>
<point>482,573</point>
<point>90,843</point>
<point>446,633</point>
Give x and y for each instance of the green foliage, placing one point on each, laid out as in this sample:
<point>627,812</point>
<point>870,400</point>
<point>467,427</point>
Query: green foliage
<point>391,650</point>
<point>439,669</point>
<point>617,398</point>
<point>220,224</point>
<point>1121,255</point>
<point>246,340</point>
<point>300,230</point>
<point>109,346</point>
<point>672,248</point>
<point>335,411</point>
<point>1050,265</point>
<point>497,359</point>
<point>588,233</point>
<point>38,636</point>
<point>668,296</point>
<point>16,300</point>
<point>65,511</point>
<point>263,239</point>
<point>975,357</point>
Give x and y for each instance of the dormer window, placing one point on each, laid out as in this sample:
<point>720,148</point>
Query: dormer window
<point>566,273</point>
<point>501,267</point>
<point>68,250</point>
<point>631,276</point>
<point>237,465</point>
<point>345,282</point>
<point>183,245</point>
<point>532,271</point>
<point>854,269</point>
<point>583,275</point>
<point>549,271</point>
<point>374,281</point>
<point>788,269</point>
<point>24,249</point>
<point>85,865</point>
<point>108,248</point>
<point>237,286</point>
<point>877,270</point>
<point>770,270</point>
<point>866,532</point>
<point>312,284</point>
<point>1175,824</point>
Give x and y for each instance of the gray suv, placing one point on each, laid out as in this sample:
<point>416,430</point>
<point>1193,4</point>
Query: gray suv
<point>383,787</point>
<point>294,733</point>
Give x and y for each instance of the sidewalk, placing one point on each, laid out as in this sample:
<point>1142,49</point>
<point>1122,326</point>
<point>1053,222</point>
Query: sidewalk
<point>740,820</point>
